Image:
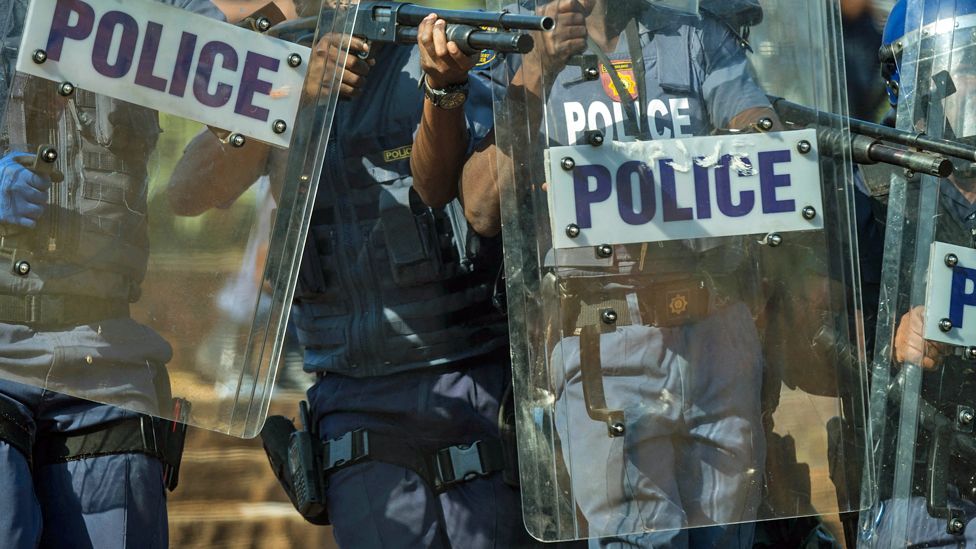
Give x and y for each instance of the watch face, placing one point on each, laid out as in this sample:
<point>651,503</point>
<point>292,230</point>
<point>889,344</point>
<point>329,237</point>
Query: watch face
<point>452,100</point>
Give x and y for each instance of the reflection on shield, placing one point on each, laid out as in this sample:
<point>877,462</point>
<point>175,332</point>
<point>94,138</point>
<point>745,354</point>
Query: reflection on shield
<point>111,292</point>
<point>683,290</point>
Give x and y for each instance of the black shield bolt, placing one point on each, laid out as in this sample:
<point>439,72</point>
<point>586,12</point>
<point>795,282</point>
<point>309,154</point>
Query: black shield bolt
<point>951,260</point>
<point>617,429</point>
<point>609,316</point>
<point>765,124</point>
<point>966,416</point>
<point>236,140</point>
<point>572,230</point>
<point>22,268</point>
<point>49,155</point>
<point>262,24</point>
<point>809,213</point>
<point>596,138</point>
<point>591,73</point>
<point>955,526</point>
<point>568,163</point>
<point>773,240</point>
<point>945,325</point>
<point>604,251</point>
<point>39,56</point>
<point>66,89</point>
<point>969,353</point>
<point>804,146</point>
<point>279,126</point>
<point>294,60</point>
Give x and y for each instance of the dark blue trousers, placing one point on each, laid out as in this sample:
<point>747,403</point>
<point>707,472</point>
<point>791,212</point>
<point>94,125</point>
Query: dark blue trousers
<point>104,502</point>
<point>374,504</point>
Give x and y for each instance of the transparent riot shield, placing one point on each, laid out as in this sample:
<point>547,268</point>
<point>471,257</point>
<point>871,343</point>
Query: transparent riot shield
<point>681,273</point>
<point>158,169</point>
<point>923,371</point>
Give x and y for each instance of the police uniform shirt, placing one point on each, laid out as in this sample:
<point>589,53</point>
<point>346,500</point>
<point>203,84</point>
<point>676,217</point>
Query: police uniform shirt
<point>697,80</point>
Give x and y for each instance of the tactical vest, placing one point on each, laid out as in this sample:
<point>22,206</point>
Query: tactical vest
<point>387,284</point>
<point>90,248</point>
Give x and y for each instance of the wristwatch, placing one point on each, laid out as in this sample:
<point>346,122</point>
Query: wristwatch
<point>451,97</point>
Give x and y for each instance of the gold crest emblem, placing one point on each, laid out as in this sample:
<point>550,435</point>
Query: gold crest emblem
<point>678,304</point>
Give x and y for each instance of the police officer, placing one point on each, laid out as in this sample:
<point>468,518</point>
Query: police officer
<point>939,36</point>
<point>662,74</point>
<point>76,473</point>
<point>394,301</point>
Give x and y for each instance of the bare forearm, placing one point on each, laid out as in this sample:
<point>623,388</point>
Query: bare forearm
<point>479,189</point>
<point>438,154</point>
<point>212,173</point>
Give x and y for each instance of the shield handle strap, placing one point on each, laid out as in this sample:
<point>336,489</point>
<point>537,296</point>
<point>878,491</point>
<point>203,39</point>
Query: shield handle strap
<point>591,372</point>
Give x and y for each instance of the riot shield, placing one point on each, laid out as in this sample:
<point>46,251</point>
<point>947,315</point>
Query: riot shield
<point>922,373</point>
<point>139,268</point>
<point>681,274</point>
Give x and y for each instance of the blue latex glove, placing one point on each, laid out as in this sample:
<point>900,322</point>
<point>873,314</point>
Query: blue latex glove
<point>23,193</point>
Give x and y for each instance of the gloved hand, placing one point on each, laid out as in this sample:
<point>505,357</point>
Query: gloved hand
<point>23,193</point>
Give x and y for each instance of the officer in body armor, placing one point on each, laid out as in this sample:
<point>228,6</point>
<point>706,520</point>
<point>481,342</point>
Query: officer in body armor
<point>945,31</point>
<point>75,249</point>
<point>661,75</point>
<point>394,302</point>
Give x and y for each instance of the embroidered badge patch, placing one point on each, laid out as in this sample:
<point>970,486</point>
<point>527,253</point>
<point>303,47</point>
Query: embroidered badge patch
<point>625,70</point>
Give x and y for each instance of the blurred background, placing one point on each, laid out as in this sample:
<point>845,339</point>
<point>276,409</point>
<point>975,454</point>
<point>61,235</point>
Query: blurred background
<point>227,495</point>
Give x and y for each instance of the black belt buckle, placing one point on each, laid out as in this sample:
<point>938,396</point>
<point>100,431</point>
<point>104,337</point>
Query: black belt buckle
<point>457,464</point>
<point>675,303</point>
<point>345,450</point>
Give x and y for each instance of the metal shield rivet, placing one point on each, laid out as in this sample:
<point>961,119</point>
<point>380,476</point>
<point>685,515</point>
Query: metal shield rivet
<point>804,146</point>
<point>572,230</point>
<point>49,155</point>
<point>262,24</point>
<point>66,89</point>
<point>279,126</point>
<point>773,240</point>
<point>596,138</point>
<point>609,316</point>
<point>22,268</point>
<point>765,124</point>
<point>951,260</point>
<point>965,416</point>
<point>39,56</point>
<point>236,140</point>
<point>955,526</point>
<point>969,353</point>
<point>568,163</point>
<point>809,213</point>
<point>591,73</point>
<point>294,60</point>
<point>945,325</point>
<point>604,251</point>
<point>617,429</point>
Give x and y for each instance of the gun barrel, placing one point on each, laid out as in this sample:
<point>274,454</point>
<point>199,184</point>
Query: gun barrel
<point>412,15</point>
<point>472,40</point>
<point>794,112</point>
<point>919,162</point>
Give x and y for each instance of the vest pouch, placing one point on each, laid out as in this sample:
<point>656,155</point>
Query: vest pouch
<point>311,278</point>
<point>673,67</point>
<point>410,236</point>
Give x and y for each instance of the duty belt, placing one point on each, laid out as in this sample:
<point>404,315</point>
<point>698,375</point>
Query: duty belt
<point>56,310</point>
<point>441,469</point>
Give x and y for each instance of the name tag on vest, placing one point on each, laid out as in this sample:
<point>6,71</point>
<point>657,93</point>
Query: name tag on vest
<point>170,60</point>
<point>678,189</point>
